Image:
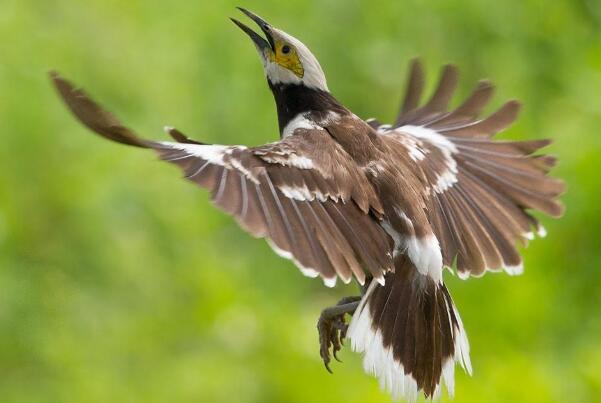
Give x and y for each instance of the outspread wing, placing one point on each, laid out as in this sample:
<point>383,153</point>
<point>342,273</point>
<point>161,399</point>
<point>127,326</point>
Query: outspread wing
<point>480,190</point>
<point>304,193</point>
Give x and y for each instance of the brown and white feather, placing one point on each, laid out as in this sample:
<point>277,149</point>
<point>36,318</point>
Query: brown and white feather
<point>302,193</point>
<point>480,192</point>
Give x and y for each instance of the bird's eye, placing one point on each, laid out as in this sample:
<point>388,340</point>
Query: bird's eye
<point>285,49</point>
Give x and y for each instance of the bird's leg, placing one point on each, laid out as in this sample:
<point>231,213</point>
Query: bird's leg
<point>332,327</point>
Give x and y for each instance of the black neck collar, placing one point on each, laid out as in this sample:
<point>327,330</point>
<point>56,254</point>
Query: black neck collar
<point>292,99</point>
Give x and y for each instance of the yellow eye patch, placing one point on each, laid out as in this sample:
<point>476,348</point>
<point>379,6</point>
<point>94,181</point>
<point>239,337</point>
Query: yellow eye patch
<point>286,56</point>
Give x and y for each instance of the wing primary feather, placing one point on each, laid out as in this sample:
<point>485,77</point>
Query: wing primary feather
<point>453,222</point>
<point>304,225</point>
<point>264,208</point>
<point>415,85</point>
<point>489,126</point>
<point>331,245</point>
<point>475,262</point>
<point>501,203</point>
<point>444,91</point>
<point>431,120</point>
<point>470,109</point>
<point>349,255</point>
<point>326,269</point>
<point>505,244</point>
<point>495,259</point>
<point>222,183</point>
<point>181,137</point>
<point>92,115</point>
<point>524,196</point>
<point>473,106</point>
<point>486,152</point>
<point>178,158</point>
<point>278,203</point>
<point>366,257</point>
<point>505,167</point>
<point>198,171</point>
<point>443,233</point>
<point>244,190</point>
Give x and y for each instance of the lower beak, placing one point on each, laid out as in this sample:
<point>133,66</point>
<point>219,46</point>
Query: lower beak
<point>261,43</point>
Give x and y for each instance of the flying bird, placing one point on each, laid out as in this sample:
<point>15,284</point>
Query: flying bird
<point>390,205</point>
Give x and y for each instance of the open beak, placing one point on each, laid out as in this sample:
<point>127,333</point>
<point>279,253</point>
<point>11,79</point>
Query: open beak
<point>259,41</point>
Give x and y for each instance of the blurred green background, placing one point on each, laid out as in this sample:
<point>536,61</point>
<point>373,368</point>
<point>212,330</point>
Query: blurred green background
<point>120,283</point>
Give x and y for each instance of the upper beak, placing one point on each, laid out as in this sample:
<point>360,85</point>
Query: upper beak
<point>261,43</point>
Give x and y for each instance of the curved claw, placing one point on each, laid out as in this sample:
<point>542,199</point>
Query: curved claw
<point>331,331</point>
<point>332,328</point>
<point>327,365</point>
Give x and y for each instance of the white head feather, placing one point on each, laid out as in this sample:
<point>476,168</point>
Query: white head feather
<point>313,76</point>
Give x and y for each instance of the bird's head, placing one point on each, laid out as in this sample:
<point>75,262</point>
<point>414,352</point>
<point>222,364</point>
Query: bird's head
<point>286,59</point>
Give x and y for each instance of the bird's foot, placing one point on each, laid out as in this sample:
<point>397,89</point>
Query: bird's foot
<point>332,328</point>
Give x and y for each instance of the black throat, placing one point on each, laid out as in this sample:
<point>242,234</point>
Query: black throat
<point>292,99</point>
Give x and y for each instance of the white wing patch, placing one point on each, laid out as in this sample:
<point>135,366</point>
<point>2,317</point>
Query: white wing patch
<point>300,161</point>
<point>303,193</point>
<point>429,135</point>
<point>447,178</point>
<point>424,252</point>
<point>212,153</point>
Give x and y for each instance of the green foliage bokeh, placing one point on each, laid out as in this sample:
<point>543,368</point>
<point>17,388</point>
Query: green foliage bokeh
<point>119,282</point>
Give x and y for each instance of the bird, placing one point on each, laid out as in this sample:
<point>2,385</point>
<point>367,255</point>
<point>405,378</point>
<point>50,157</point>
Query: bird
<point>390,206</point>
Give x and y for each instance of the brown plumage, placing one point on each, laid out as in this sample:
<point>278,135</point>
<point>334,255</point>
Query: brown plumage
<point>321,238</point>
<point>343,198</point>
<point>481,217</point>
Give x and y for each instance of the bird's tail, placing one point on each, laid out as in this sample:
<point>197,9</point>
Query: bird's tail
<point>410,333</point>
